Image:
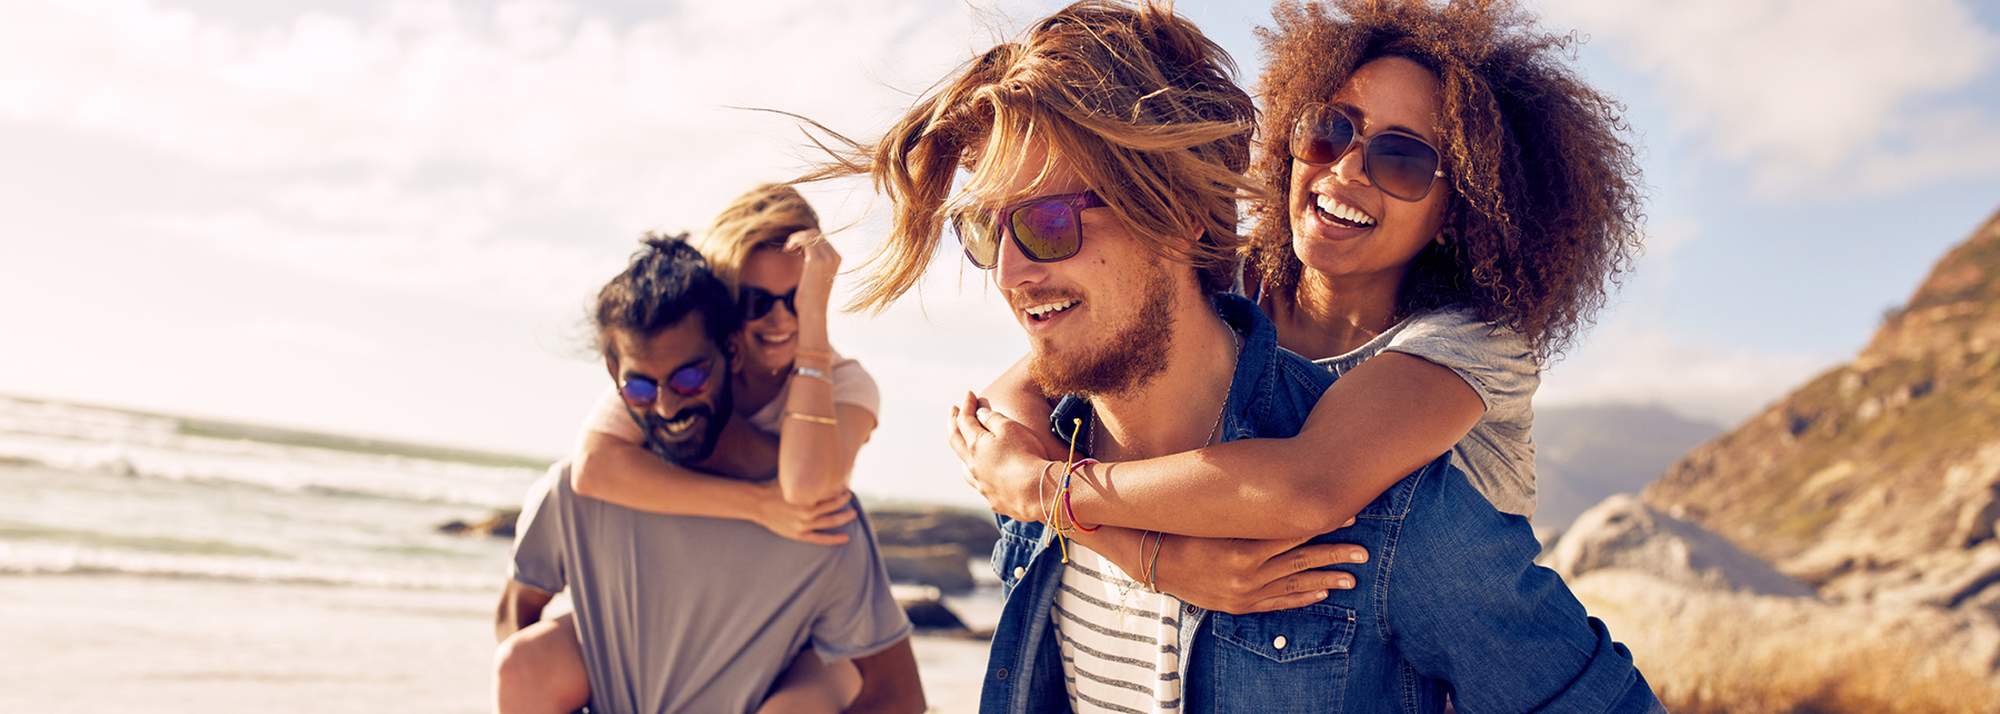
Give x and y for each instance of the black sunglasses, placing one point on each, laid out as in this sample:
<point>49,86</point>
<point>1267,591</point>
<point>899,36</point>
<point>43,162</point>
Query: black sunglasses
<point>757,302</point>
<point>1046,228</point>
<point>641,392</point>
<point>1402,164</point>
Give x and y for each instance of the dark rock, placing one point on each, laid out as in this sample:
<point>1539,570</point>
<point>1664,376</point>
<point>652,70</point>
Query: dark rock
<point>972,531</point>
<point>498,525</point>
<point>943,566</point>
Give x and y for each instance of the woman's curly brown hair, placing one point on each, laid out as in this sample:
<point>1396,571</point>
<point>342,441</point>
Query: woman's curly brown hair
<point>1545,210</point>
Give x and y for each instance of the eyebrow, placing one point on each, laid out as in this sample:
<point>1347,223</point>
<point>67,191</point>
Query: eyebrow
<point>1356,111</point>
<point>630,373</point>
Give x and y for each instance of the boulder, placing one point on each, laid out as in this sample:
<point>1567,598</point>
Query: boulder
<point>943,566</point>
<point>1624,533</point>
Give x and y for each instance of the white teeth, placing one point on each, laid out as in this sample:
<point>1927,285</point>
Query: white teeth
<point>1335,208</point>
<point>1050,308</point>
<point>679,425</point>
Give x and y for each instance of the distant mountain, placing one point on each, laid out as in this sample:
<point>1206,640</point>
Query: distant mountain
<point>1587,453</point>
<point>1880,479</point>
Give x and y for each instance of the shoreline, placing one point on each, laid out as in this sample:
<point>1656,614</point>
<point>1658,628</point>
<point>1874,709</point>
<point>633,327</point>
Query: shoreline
<point>207,646</point>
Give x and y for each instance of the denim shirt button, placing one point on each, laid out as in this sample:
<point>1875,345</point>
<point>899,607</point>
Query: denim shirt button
<point>1020,572</point>
<point>1279,643</point>
<point>1001,674</point>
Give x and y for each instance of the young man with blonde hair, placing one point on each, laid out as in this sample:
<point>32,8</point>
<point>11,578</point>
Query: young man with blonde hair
<point>1105,149</point>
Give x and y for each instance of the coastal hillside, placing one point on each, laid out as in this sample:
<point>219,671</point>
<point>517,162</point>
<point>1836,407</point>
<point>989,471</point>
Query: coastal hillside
<point>1878,480</point>
<point>1589,452</point>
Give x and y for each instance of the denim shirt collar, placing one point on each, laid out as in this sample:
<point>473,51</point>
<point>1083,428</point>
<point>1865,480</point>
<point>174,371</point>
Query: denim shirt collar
<point>1256,373</point>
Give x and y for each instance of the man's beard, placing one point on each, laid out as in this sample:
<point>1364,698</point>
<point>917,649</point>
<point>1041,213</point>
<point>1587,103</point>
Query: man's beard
<point>714,418</point>
<point>1121,361</point>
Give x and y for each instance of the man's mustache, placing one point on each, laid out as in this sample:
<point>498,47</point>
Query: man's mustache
<point>655,422</point>
<point>1021,299</point>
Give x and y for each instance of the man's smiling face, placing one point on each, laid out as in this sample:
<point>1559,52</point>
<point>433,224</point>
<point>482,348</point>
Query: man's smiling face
<point>1099,321</point>
<point>681,427</point>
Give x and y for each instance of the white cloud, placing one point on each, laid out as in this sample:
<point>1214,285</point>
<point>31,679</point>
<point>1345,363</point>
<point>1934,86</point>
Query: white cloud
<point>1827,97</point>
<point>1625,361</point>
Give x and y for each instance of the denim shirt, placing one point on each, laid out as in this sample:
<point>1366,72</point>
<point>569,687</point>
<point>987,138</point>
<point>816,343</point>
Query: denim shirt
<point>1450,601</point>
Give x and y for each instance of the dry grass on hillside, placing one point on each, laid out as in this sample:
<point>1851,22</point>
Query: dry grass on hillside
<point>1713,654</point>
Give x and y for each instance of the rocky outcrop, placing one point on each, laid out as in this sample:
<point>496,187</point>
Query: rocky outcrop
<point>498,525</point>
<point>1880,477</point>
<point>1706,650</point>
<point>1622,533</point>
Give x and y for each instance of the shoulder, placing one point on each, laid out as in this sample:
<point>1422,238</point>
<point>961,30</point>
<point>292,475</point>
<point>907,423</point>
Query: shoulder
<point>1451,531</point>
<point>852,384</point>
<point>1492,359</point>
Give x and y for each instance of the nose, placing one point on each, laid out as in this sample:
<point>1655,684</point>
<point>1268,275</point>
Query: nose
<point>780,316</point>
<point>1351,167</point>
<point>1015,270</point>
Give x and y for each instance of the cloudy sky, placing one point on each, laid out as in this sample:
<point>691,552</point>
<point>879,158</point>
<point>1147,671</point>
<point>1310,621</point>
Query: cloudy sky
<point>385,218</point>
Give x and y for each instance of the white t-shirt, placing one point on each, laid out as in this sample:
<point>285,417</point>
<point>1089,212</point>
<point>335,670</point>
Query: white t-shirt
<point>1498,455</point>
<point>1120,642</point>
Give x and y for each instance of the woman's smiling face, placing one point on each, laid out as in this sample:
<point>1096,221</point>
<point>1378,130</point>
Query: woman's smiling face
<point>1342,224</point>
<point>770,342</point>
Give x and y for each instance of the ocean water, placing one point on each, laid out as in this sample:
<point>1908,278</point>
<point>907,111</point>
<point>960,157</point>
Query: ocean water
<point>144,568</point>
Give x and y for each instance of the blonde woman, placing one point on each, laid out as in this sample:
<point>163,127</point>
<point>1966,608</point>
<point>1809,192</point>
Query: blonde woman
<point>766,247</point>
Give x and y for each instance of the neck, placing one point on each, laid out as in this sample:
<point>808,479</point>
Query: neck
<point>756,387</point>
<point>1328,315</point>
<point>1176,410</point>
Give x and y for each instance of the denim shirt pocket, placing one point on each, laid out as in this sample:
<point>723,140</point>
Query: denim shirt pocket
<point>1013,552</point>
<point>1289,660</point>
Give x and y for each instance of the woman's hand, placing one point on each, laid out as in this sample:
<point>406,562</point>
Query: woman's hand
<point>1239,576</point>
<point>807,523</point>
<point>1004,459</point>
<point>816,282</point>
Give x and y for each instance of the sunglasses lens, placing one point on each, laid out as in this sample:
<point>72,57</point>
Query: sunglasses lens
<point>1321,135</point>
<point>688,381</point>
<point>1048,230</point>
<point>757,303</point>
<point>1402,166</point>
<point>979,236</point>
<point>640,392</point>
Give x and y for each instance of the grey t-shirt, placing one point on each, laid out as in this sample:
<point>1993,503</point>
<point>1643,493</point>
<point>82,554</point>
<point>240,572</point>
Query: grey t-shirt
<point>679,613</point>
<point>1498,455</point>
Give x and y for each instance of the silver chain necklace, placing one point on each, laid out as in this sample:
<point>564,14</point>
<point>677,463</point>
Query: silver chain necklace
<point>1090,440</point>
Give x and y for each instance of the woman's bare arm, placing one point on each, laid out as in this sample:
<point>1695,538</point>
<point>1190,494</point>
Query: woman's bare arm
<point>1386,418</point>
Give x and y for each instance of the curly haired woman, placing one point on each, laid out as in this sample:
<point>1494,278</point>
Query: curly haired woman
<point>1447,205</point>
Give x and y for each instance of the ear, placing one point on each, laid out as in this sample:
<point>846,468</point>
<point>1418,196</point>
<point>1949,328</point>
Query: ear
<point>611,364</point>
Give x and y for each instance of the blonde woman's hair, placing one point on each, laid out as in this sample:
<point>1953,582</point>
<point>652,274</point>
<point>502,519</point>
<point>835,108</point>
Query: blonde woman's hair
<point>762,217</point>
<point>1132,98</point>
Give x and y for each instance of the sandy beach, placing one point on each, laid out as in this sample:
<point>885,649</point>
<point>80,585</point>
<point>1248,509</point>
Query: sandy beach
<point>120,643</point>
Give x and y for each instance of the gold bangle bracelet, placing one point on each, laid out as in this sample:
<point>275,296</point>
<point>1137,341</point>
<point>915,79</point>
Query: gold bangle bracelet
<point>812,418</point>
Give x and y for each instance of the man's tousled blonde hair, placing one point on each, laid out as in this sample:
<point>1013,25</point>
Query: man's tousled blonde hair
<point>1132,98</point>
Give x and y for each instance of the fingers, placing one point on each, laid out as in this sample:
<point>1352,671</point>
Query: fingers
<point>836,504</point>
<point>1283,602</point>
<point>817,538</point>
<point>968,424</point>
<point>830,521</point>
<point>1313,556</point>
<point>1349,522</point>
<point>799,240</point>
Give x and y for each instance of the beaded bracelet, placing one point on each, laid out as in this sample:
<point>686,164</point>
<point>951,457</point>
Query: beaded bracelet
<point>1068,509</point>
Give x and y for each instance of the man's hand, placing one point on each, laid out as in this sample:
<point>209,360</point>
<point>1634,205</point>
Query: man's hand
<point>1239,576</point>
<point>1004,459</point>
<point>806,523</point>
